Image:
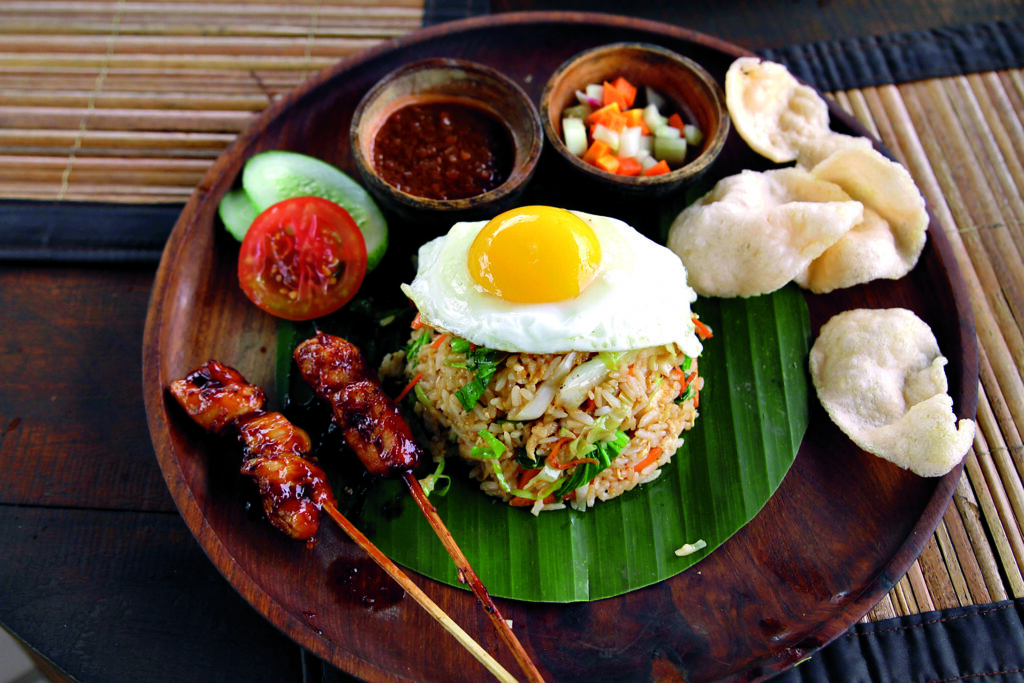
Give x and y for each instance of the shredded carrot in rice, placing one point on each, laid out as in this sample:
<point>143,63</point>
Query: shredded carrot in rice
<point>580,461</point>
<point>552,458</point>
<point>526,475</point>
<point>409,386</point>
<point>651,458</point>
<point>703,331</point>
<point>684,380</point>
<point>519,501</point>
<point>553,461</point>
<point>417,323</point>
<point>553,440</point>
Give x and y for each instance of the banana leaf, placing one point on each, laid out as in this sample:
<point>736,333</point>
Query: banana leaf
<point>753,414</point>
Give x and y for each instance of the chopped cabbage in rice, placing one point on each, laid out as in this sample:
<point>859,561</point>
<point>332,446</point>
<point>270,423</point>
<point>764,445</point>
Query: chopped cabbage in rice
<point>599,424</point>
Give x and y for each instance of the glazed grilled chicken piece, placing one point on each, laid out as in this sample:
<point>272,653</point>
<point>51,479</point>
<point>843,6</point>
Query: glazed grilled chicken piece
<point>368,417</point>
<point>293,488</point>
<point>217,396</point>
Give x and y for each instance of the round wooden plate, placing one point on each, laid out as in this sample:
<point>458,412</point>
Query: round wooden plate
<point>839,532</point>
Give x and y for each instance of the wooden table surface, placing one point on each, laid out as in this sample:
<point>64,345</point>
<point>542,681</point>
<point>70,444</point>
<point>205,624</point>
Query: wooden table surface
<point>103,580</point>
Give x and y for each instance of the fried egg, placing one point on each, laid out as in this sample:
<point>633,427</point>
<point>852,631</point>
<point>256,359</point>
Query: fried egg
<point>540,279</point>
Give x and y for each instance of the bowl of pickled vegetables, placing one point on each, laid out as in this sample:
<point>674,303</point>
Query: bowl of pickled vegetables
<point>634,117</point>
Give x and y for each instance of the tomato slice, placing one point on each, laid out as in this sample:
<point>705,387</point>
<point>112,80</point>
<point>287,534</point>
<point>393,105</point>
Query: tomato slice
<point>302,258</point>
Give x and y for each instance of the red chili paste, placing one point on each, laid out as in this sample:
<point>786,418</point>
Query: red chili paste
<point>447,149</point>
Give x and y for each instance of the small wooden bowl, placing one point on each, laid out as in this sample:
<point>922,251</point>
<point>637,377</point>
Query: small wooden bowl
<point>687,87</point>
<point>455,79</point>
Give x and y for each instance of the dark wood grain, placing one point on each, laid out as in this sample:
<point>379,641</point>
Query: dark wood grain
<point>841,530</point>
<point>74,430</point>
<point>149,582</point>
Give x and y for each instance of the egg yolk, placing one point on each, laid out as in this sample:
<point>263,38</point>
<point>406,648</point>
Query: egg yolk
<point>535,254</point>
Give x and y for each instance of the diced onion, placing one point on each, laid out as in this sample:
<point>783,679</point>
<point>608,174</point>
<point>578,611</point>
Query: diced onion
<point>607,136</point>
<point>580,381</point>
<point>545,393</point>
<point>580,496</point>
<point>653,118</point>
<point>629,141</point>
<point>691,548</point>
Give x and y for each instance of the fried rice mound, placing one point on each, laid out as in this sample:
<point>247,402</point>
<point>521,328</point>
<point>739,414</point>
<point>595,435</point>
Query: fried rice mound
<point>533,428</point>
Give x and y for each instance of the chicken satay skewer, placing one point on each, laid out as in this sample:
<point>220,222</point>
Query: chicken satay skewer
<point>419,596</point>
<point>378,434</point>
<point>469,576</point>
<point>292,487</point>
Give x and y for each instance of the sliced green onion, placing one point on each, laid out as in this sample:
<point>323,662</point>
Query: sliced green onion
<point>421,395</point>
<point>437,482</point>
<point>499,475</point>
<point>492,451</point>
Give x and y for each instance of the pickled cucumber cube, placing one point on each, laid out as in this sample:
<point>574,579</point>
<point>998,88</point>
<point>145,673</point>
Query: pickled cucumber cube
<point>693,134</point>
<point>575,133</point>
<point>670,150</point>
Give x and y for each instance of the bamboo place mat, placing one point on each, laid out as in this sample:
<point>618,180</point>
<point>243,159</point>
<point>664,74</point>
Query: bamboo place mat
<point>130,102</point>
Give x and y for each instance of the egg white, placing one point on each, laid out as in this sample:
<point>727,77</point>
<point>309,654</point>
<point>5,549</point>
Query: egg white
<point>638,298</point>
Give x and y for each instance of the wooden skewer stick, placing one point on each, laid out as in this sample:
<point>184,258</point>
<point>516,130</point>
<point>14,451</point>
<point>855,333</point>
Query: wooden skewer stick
<point>376,431</point>
<point>419,596</point>
<point>466,572</point>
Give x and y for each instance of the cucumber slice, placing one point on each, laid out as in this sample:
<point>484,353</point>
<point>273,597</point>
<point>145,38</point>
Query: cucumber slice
<point>271,177</point>
<point>237,212</point>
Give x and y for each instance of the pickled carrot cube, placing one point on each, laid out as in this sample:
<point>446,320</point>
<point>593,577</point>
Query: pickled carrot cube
<point>596,150</point>
<point>658,168</point>
<point>604,114</point>
<point>629,166</point>
<point>635,118</point>
<point>609,162</point>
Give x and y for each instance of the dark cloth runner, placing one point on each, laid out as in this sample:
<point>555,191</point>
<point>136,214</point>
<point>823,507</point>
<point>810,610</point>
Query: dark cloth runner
<point>84,232</point>
<point>977,643</point>
<point>904,57</point>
